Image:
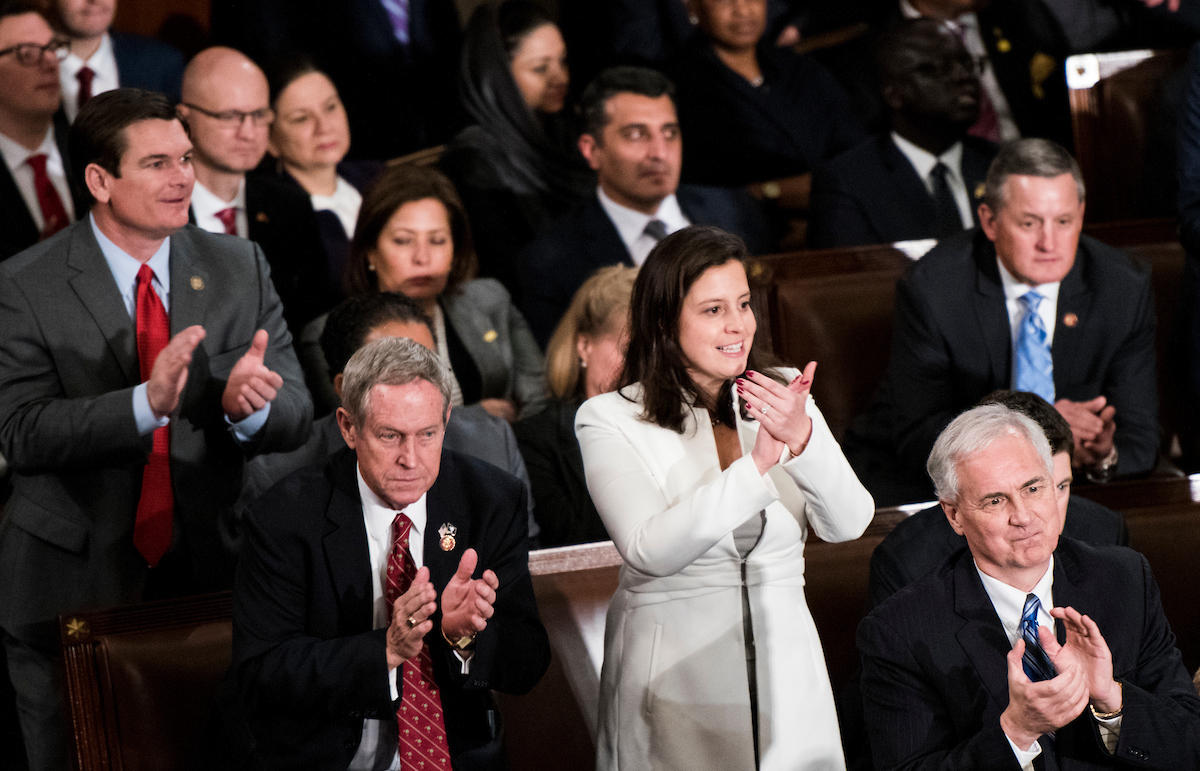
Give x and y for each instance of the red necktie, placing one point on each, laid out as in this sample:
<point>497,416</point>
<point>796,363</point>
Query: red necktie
<point>228,218</point>
<point>54,215</point>
<point>152,528</point>
<point>422,730</point>
<point>85,76</point>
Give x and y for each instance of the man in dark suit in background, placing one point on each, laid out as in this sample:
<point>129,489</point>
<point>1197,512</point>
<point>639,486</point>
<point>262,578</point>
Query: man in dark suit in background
<point>38,198</point>
<point>361,637</point>
<point>1027,647</point>
<point>632,140</point>
<point>925,540</point>
<point>968,321</point>
<point>141,361</point>
<point>923,179</point>
<point>102,59</point>
<point>228,112</point>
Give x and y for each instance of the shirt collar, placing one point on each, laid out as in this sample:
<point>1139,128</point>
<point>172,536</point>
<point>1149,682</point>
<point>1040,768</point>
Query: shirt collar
<point>1014,289</point>
<point>1009,601</point>
<point>379,515</point>
<point>207,204</point>
<point>15,154</point>
<point>125,267</point>
<point>631,223</point>
<point>924,161</point>
<point>102,61</point>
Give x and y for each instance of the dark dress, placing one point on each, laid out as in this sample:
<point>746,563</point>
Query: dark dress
<point>796,119</point>
<point>562,506</point>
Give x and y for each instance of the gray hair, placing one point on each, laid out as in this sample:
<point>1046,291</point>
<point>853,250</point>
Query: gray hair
<point>1029,158</point>
<point>390,361</point>
<point>971,432</point>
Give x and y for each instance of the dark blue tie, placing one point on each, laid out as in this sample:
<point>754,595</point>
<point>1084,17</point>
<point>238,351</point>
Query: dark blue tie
<point>1037,663</point>
<point>1034,365</point>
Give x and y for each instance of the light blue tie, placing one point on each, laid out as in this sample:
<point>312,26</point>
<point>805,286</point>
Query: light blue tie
<point>1035,368</point>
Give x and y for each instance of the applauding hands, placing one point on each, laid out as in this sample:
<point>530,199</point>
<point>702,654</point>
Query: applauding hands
<point>781,411</point>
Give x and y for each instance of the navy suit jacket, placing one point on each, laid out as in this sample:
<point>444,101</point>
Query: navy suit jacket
<point>147,63</point>
<point>952,345</point>
<point>871,194</point>
<point>564,255</point>
<point>925,540</point>
<point>305,656</point>
<point>935,677</point>
<point>17,228</point>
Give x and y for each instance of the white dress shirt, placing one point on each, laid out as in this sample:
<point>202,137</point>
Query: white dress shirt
<point>102,62</point>
<point>631,224</point>
<point>1009,603</point>
<point>206,204</point>
<point>16,157</point>
<point>345,203</point>
<point>923,162</point>
<point>966,27</point>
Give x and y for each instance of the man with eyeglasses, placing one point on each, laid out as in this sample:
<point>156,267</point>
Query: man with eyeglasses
<point>924,178</point>
<point>37,197</point>
<point>226,106</point>
<point>102,59</point>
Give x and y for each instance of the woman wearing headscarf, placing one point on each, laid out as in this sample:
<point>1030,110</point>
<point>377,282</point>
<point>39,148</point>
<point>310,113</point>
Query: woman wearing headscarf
<point>517,168</point>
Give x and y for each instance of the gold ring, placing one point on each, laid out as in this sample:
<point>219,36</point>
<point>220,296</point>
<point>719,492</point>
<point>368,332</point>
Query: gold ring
<point>412,622</point>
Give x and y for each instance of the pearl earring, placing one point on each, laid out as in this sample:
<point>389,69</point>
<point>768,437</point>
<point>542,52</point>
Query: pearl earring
<point>371,266</point>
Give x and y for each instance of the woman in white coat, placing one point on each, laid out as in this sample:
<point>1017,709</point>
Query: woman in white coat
<point>708,472</point>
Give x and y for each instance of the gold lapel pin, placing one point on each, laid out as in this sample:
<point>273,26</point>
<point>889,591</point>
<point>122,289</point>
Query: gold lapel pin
<point>490,336</point>
<point>1070,320</point>
<point>447,531</point>
<point>262,217</point>
<point>980,189</point>
<point>197,283</point>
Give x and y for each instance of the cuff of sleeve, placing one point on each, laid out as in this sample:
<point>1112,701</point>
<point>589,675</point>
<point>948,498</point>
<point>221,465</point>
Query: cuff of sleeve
<point>392,683</point>
<point>1110,732</point>
<point>1025,757</point>
<point>143,416</point>
<point>247,428</point>
<point>465,658</point>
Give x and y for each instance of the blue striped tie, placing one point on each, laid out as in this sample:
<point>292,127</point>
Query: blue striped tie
<point>1035,368</point>
<point>1037,663</point>
<point>397,11</point>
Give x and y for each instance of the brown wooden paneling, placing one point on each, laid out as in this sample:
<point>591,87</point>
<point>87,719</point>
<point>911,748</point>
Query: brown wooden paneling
<point>144,17</point>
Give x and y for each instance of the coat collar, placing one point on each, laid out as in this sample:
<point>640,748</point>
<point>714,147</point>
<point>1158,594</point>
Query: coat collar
<point>94,285</point>
<point>990,311</point>
<point>189,282</point>
<point>347,555</point>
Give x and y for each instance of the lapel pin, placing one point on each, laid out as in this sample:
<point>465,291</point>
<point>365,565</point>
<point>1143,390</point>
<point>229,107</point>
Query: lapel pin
<point>1070,320</point>
<point>447,531</point>
<point>490,336</point>
<point>197,283</point>
<point>1003,45</point>
<point>262,217</point>
<point>980,189</point>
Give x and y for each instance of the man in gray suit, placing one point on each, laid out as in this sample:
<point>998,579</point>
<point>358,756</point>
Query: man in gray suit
<point>122,459</point>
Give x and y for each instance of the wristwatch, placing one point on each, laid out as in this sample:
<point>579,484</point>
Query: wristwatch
<point>1106,471</point>
<point>462,643</point>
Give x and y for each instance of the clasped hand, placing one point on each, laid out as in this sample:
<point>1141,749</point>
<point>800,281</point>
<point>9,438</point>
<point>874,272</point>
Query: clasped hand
<point>250,386</point>
<point>781,412</point>
<point>467,604</point>
<point>1093,425</point>
<point>1084,673</point>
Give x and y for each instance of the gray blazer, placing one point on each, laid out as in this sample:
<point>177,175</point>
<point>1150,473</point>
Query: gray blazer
<point>489,325</point>
<point>68,367</point>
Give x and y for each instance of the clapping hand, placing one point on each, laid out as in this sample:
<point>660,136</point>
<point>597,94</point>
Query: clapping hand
<point>410,620</point>
<point>781,412</point>
<point>251,385</point>
<point>467,602</point>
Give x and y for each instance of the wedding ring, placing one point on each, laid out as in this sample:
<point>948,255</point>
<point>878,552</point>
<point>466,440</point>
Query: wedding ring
<point>412,622</point>
<point>763,409</point>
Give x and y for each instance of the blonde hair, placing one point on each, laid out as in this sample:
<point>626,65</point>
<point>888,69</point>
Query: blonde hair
<point>601,306</point>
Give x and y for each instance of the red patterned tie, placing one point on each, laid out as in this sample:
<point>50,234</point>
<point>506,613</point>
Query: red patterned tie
<point>422,730</point>
<point>152,528</point>
<point>228,218</point>
<point>54,215</point>
<point>85,76</point>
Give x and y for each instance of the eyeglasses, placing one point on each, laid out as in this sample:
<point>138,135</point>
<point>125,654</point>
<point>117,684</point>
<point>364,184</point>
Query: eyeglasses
<point>235,118</point>
<point>30,54</point>
<point>950,68</point>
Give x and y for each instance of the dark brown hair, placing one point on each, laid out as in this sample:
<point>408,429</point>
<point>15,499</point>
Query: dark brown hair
<point>396,186</point>
<point>654,357</point>
<point>1057,429</point>
<point>349,323</point>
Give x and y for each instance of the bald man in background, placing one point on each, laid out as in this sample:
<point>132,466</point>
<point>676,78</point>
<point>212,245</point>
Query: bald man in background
<point>226,106</point>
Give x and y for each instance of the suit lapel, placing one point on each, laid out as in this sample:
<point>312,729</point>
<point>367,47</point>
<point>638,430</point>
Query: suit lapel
<point>189,284</point>
<point>907,185</point>
<point>17,219</point>
<point>990,310</point>
<point>346,553</point>
<point>447,504</point>
<point>974,171</point>
<point>96,289</point>
<point>601,241</point>
<point>1074,305</point>
<point>981,635</point>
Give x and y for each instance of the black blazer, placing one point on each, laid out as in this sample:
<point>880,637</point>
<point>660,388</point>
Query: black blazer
<point>871,194</point>
<point>925,540</point>
<point>935,675</point>
<point>562,505</point>
<point>559,260</point>
<point>144,62</point>
<point>305,657</point>
<point>281,221</point>
<point>17,228</point>
<point>952,345</point>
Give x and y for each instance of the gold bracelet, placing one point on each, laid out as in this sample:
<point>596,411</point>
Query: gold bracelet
<point>1110,715</point>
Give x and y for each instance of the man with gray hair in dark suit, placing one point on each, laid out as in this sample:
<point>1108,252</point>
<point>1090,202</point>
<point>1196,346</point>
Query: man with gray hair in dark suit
<point>142,361</point>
